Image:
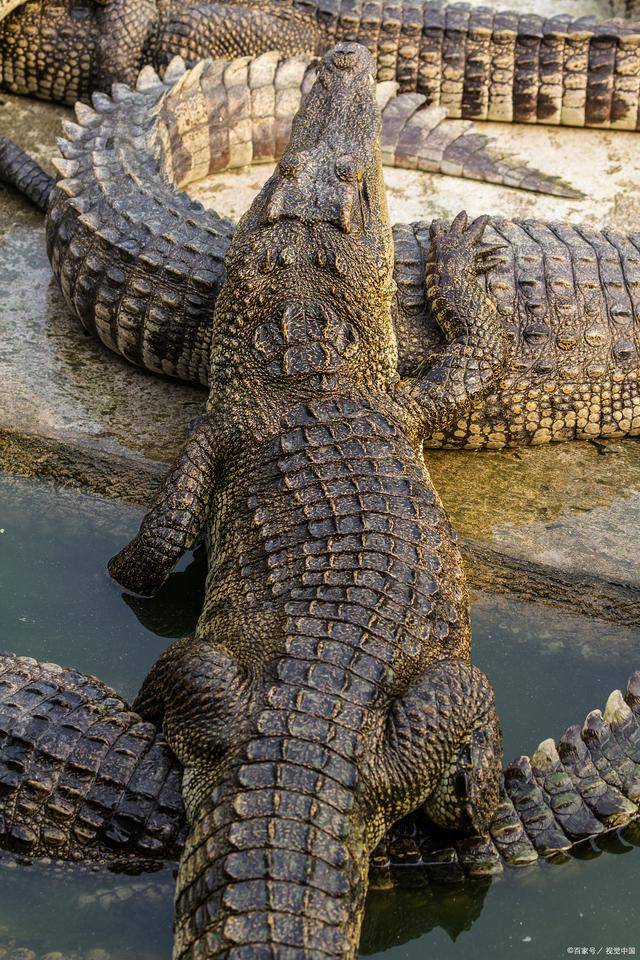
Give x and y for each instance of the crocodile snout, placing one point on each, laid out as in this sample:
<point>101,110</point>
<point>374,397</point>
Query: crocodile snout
<point>321,176</point>
<point>350,58</point>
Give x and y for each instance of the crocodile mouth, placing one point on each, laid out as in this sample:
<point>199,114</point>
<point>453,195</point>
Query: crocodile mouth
<point>305,339</point>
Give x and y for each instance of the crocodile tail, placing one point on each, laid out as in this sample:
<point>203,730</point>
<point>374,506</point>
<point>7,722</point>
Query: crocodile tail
<point>485,64</point>
<point>19,170</point>
<point>270,870</point>
<point>82,777</point>
<point>417,136</point>
<point>569,791</point>
<point>138,264</point>
<point>223,31</point>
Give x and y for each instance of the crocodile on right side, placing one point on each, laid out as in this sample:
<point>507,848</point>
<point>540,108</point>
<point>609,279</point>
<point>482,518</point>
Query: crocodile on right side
<point>141,265</point>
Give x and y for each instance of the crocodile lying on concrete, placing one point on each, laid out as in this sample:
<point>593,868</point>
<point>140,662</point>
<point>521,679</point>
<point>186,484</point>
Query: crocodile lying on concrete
<point>249,110</point>
<point>141,265</point>
<point>475,62</point>
<point>84,778</point>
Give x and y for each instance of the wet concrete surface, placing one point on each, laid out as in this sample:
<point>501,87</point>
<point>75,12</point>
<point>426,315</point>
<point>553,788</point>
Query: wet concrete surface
<point>557,521</point>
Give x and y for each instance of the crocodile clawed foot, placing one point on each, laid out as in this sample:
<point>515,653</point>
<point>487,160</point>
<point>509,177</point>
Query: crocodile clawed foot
<point>139,570</point>
<point>456,244</point>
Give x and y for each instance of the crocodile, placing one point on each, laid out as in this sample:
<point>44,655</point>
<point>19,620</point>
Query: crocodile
<point>475,62</point>
<point>140,264</point>
<point>85,780</point>
<point>327,690</point>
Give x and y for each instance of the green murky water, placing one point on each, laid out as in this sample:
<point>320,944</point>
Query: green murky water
<point>548,670</point>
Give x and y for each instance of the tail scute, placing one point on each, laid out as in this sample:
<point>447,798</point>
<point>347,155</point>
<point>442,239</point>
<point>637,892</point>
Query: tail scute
<point>19,170</point>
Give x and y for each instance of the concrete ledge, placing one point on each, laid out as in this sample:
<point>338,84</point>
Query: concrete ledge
<point>133,478</point>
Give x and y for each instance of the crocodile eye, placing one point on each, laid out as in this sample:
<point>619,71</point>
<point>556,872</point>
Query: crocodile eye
<point>348,170</point>
<point>290,165</point>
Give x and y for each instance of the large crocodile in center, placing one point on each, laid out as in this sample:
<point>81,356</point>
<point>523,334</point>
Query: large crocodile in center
<point>327,691</point>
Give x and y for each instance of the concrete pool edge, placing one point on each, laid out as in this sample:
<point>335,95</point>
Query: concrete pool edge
<point>93,466</point>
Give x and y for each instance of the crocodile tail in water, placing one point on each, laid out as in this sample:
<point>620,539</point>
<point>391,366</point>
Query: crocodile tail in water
<point>265,865</point>
<point>83,777</point>
<point>20,171</point>
<point>570,791</point>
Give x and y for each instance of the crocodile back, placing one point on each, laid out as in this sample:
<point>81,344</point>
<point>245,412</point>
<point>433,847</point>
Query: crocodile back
<point>569,298</point>
<point>334,527</point>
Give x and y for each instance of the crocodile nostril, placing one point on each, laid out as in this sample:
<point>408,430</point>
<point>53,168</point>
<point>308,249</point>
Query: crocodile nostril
<point>291,165</point>
<point>350,57</point>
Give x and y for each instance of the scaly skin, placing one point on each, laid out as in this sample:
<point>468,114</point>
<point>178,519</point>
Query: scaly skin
<point>141,265</point>
<point>66,794</point>
<point>327,691</point>
<point>63,51</point>
<point>475,62</point>
<point>82,777</point>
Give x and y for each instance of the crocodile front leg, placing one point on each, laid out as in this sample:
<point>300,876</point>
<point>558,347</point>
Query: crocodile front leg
<point>173,523</point>
<point>476,344</point>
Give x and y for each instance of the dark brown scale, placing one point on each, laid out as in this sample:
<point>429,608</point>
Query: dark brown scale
<point>81,776</point>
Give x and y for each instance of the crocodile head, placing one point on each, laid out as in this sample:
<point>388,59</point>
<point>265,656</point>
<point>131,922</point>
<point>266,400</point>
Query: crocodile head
<point>308,297</point>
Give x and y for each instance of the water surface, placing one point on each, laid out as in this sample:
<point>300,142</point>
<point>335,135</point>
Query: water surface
<point>548,670</point>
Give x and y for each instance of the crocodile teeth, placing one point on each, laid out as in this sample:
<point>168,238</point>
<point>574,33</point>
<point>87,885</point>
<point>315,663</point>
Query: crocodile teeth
<point>176,68</point>
<point>85,114</point>
<point>147,78</point>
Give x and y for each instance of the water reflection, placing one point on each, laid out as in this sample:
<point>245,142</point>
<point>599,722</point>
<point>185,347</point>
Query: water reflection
<point>548,669</point>
<point>174,610</point>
